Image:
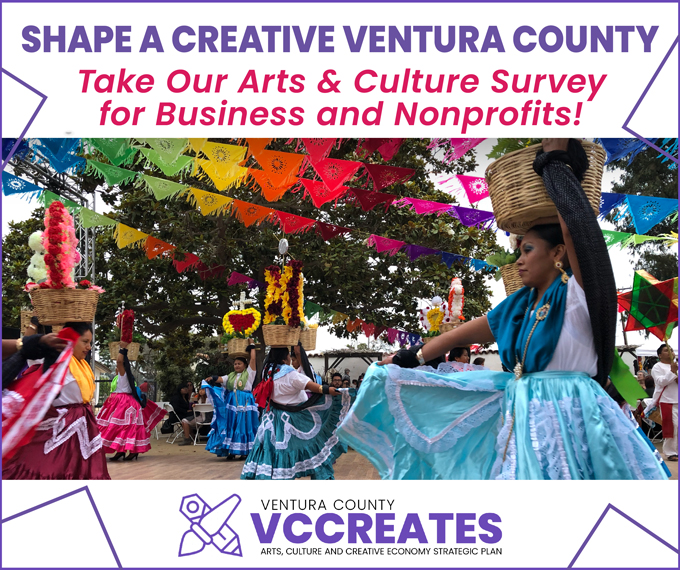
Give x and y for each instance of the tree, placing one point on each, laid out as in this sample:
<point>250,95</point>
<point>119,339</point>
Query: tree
<point>647,175</point>
<point>179,311</point>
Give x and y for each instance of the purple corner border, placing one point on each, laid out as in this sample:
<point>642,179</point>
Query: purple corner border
<point>644,94</point>
<point>611,507</point>
<point>67,495</point>
<point>30,121</point>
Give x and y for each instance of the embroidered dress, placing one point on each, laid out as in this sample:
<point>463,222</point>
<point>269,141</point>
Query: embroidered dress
<point>235,419</point>
<point>293,444</point>
<point>124,424</point>
<point>67,443</point>
<point>552,422</point>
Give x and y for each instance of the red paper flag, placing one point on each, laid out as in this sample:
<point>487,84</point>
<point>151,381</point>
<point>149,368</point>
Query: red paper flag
<point>335,172</point>
<point>250,213</point>
<point>368,328</point>
<point>354,325</point>
<point>388,149</point>
<point>155,247</point>
<point>329,231</point>
<point>190,261</point>
<point>369,200</point>
<point>212,272</point>
<point>292,224</point>
<point>384,175</point>
<point>318,149</point>
<point>281,167</point>
<point>270,192</point>
<point>319,192</point>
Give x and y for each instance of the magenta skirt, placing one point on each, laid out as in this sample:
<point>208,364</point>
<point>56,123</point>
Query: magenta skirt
<point>66,445</point>
<point>121,423</point>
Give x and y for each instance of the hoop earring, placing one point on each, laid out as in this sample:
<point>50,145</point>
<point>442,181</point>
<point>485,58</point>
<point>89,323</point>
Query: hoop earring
<point>560,266</point>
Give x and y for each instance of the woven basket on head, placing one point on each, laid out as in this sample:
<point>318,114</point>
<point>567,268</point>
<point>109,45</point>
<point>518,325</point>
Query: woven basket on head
<point>511,279</point>
<point>427,339</point>
<point>237,347</point>
<point>59,306</point>
<point>133,350</point>
<point>308,339</point>
<point>446,327</point>
<point>517,193</point>
<point>56,328</point>
<point>26,315</point>
<point>280,336</point>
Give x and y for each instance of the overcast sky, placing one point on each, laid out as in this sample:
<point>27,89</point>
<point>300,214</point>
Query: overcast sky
<point>16,209</point>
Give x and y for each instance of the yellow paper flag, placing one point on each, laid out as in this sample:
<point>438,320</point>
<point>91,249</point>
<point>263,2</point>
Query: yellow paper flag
<point>339,317</point>
<point>197,144</point>
<point>126,236</point>
<point>223,156</point>
<point>208,202</point>
<point>237,174</point>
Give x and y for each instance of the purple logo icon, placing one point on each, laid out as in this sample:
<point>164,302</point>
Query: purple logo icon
<point>209,526</point>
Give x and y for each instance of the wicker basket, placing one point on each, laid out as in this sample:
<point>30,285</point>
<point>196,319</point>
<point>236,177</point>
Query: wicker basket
<point>59,306</point>
<point>427,339</point>
<point>517,193</point>
<point>237,346</point>
<point>56,328</point>
<point>280,336</point>
<point>446,327</point>
<point>511,279</point>
<point>133,350</point>
<point>308,339</point>
<point>26,315</point>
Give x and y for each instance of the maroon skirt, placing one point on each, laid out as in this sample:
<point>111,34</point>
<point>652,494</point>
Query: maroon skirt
<point>66,445</point>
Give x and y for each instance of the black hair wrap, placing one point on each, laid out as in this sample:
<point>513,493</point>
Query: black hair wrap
<point>562,172</point>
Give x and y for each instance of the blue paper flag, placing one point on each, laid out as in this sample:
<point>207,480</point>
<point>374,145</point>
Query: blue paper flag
<point>609,201</point>
<point>451,258</point>
<point>647,211</point>
<point>21,151</point>
<point>14,185</point>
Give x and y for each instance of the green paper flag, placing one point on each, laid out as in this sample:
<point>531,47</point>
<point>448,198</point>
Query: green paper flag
<point>181,163</point>
<point>90,219</point>
<point>625,382</point>
<point>611,238</point>
<point>312,309</point>
<point>112,174</point>
<point>167,149</point>
<point>48,197</point>
<point>118,151</point>
<point>160,187</point>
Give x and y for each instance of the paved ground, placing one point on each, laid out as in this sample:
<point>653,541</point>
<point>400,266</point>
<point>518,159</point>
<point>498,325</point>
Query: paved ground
<point>170,461</point>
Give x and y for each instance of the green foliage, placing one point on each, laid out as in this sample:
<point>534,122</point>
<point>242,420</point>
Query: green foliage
<point>648,176</point>
<point>505,146</point>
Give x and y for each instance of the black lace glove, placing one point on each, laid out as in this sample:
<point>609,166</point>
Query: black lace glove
<point>406,357</point>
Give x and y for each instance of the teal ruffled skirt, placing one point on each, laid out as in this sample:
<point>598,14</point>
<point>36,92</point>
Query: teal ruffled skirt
<point>421,424</point>
<point>290,445</point>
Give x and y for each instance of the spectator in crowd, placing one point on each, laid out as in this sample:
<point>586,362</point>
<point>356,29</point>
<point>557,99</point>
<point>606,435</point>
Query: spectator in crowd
<point>336,380</point>
<point>183,409</point>
<point>345,376</point>
<point>460,354</point>
<point>665,374</point>
<point>479,361</point>
<point>649,386</point>
<point>640,375</point>
<point>345,383</point>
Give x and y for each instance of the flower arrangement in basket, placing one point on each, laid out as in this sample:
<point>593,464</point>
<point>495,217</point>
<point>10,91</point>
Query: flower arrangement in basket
<point>239,326</point>
<point>432,317</point>
<point>57,299</point>
<point>125,323</point>
<point>454,314</point>
<point>507,269</point>
<point>284,304</point>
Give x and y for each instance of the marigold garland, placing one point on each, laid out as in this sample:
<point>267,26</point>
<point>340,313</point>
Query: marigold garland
<point>284,297</point>
<point>435,317</point>
<point>272,302</point>
<point>241,324</point>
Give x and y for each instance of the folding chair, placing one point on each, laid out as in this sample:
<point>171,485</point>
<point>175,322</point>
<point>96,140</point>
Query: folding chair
<point>177,425</point>
<point>203,409</point>
<point>156,432</point>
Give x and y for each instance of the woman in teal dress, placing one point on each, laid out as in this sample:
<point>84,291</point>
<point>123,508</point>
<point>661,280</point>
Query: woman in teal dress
<point>551,418</point>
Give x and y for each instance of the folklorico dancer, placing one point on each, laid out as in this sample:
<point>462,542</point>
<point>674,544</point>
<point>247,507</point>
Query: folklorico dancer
<point>66,443</point>
<point>127,417</point>
<point>665,374</point>
<point>235,419</point>
<point>297,437</point>
<point>558,335</point>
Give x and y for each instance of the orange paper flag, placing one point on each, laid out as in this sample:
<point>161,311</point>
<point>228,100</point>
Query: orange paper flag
<point>155,247</point>
<point>256,146</point>
<point>250,213</point>
<point>281,167</point>
<point>270,192</point>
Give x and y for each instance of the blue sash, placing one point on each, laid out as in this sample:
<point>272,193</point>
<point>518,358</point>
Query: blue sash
<point>511,323</point>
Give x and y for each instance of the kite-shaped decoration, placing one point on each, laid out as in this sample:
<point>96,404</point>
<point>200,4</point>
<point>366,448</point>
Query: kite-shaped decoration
<point>651,305</point>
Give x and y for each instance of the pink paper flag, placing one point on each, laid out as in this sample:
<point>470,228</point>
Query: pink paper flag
<point>476,188</point>
<point>236,278</point>
<point>392,246</point>
<point>392,335</point>
<point>425,206</point>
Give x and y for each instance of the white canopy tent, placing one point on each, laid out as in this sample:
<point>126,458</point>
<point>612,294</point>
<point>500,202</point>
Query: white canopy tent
<point>652,344</point>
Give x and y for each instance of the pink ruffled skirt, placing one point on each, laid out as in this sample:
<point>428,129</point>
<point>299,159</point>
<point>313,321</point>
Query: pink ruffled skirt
<point>122,425</point>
